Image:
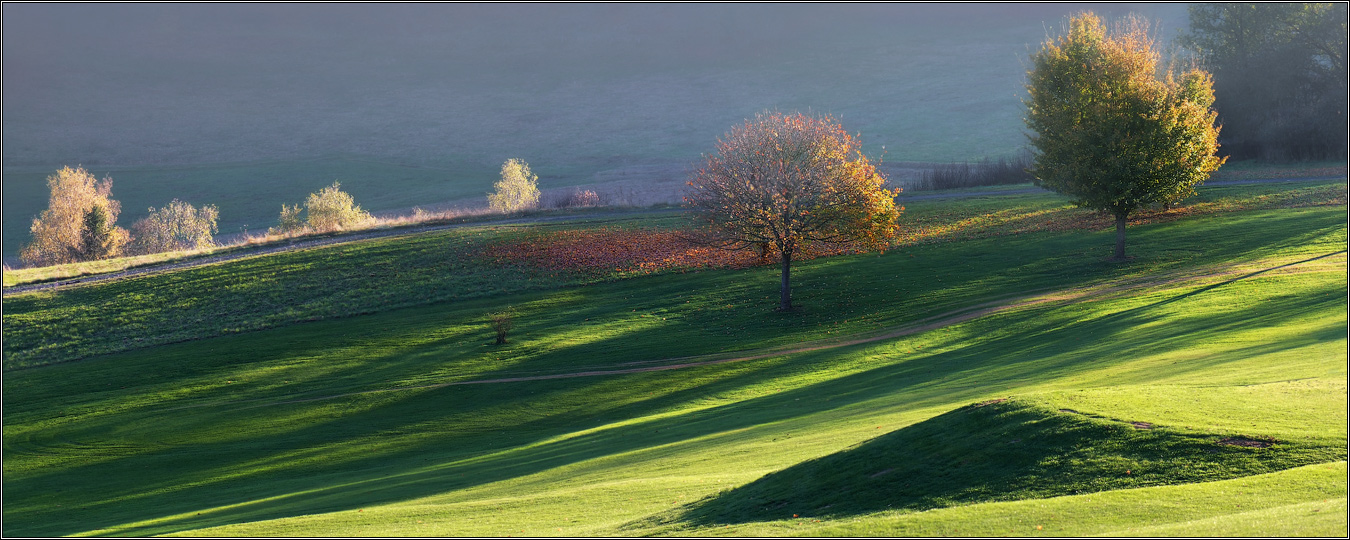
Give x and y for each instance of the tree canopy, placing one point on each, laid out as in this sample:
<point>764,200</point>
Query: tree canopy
<point>784,182</point>
<point>1113,130</point>
<point>176,226</point>
<point>79,223</point>
<point>1279,76</point>
<point>516,190</point>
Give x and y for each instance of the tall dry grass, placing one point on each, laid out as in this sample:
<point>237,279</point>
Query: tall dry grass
<point>986,172</point>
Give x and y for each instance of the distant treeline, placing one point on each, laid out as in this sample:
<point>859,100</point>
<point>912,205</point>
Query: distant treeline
<point>1279,77</point>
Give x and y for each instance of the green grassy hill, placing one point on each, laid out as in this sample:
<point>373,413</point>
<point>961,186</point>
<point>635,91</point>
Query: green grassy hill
<point>1026,387</point>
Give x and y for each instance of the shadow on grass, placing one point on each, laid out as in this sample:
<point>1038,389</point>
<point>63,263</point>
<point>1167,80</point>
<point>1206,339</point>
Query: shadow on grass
<point>995,451</point>
<point>235,465</point>
<point>388,448</point>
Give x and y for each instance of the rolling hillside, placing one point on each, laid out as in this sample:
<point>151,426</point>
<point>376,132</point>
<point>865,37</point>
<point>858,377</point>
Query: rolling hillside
<point>991,375</point>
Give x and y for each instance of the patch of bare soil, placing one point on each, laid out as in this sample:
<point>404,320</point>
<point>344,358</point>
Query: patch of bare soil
<point>1247,443</point>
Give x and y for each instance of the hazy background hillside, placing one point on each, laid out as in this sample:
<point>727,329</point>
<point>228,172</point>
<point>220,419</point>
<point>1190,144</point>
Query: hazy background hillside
<point>248,106</point>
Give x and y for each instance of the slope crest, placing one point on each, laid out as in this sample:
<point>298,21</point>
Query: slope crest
<point>1008,449</point>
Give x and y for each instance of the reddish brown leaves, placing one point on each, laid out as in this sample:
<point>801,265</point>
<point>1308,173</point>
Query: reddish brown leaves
<point>629,251</point>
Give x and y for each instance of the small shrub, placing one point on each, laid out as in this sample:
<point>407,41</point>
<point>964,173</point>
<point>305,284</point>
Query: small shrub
<point>175,227</point>
<point>502,322</point>
<point>517,190</point>
<point>289,222</point>
<point>583,199</point>
<point>328,209</point>
<point>576,199</point>
<point>332,209</point>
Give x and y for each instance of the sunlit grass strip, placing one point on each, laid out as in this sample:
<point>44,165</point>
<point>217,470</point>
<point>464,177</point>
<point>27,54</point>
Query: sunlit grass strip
<point>793,382</point>
<point>1221,508</point>
<point>956,225</point>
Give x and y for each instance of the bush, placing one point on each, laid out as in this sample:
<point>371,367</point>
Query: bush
<point>576,199</point>
<point>289,222</point>
<point>328,209</point>
<point>517,190</point>
<point>502,322</point>
<point>79,222</point>
<point>175,227</point>
<point>331,209</point>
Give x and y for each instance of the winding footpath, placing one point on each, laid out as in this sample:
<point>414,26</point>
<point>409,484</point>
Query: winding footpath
<point>1206,279</point>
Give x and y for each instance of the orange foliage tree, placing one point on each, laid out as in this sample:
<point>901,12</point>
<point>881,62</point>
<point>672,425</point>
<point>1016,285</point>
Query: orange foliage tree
<point>79,222</point>
<point>785,182</point>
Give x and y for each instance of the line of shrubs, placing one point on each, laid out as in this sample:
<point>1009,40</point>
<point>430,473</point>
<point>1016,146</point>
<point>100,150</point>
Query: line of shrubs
<point>80,222</point>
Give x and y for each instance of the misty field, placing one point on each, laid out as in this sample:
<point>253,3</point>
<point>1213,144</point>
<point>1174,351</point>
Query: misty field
<point>595,364</point>
<point>992,375</point>
<point>426,118</point>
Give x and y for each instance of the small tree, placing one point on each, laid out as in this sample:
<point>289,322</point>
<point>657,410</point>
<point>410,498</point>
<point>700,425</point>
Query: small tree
<point>1112,132</point>
<point>289,221</point>
<point>502,322</point>
<point>177,226</point>
<point>331,208</point>
<point>517,190</point>
<point>99,237</point>
<point>787,181</point>
<point>70,229</point>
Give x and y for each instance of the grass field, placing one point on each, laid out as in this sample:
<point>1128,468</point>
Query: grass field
<point>1199,388</point>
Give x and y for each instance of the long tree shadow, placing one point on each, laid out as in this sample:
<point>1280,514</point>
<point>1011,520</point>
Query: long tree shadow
<point>393,447</point>
<point>388,450</point>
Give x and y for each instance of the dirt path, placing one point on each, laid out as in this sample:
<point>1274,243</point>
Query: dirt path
<point>1063,296</point>
<point>300,244</point>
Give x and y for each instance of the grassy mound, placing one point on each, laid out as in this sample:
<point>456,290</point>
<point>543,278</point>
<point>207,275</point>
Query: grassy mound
<point>1002,450</point>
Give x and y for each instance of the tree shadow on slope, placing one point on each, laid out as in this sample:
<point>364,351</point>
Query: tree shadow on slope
<point>995,451</point>
<point>452,455</point>
<point>400,446</point>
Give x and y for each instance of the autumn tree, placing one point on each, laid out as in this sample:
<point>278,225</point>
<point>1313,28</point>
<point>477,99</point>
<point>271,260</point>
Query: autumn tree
<point>79,222</point>
<point>1113,130</point>
<point>177,226</point>
<point>518,188</point>
<point>786,182</point>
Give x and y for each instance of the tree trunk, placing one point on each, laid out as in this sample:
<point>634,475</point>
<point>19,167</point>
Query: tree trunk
<point>785,297</point>
<point>1120,238</point>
